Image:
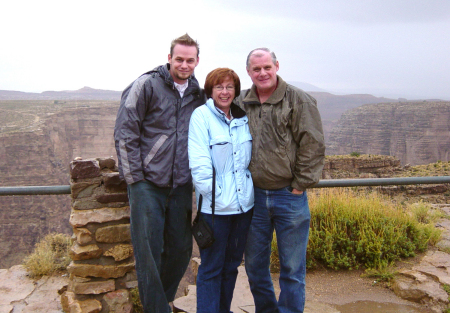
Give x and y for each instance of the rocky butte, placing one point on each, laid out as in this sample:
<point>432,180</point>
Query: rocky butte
<point>415,132</point>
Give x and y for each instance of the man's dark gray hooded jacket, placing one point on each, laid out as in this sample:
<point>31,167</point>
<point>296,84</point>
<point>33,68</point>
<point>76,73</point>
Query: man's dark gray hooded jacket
<point>151,131</point>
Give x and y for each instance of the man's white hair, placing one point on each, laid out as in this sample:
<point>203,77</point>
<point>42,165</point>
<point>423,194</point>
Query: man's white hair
<point>259,54</point>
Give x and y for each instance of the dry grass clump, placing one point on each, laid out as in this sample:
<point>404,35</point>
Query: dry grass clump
<point>51,254</point>
<point>351,229</point>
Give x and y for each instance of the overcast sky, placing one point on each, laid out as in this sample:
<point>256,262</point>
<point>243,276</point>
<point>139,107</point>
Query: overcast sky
<point>392,48</point>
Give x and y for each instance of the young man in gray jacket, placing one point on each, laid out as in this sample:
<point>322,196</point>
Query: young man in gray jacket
<point>287,157</point>
<point>151,135</point>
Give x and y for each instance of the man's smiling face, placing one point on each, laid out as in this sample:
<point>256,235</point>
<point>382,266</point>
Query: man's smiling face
<point>263,71</point>
<point>183,61</point>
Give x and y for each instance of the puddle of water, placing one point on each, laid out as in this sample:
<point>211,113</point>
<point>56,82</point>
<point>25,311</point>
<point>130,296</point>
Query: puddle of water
<point>377,307</point>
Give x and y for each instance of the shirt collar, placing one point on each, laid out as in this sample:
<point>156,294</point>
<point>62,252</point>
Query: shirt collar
<point>181,88</point>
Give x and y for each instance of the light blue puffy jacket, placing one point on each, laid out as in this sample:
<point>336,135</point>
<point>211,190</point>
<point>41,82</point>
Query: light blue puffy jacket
<point>213,139</point>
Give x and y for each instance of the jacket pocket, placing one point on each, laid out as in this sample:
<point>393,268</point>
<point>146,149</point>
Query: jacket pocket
<point>221,149</point>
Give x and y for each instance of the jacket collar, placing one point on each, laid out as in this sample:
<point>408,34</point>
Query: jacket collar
<point>236,111</point>
<point>163,70</point>
<point>275,97</point>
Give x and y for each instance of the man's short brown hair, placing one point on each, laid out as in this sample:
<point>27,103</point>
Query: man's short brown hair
<point>217,76</point>
<point>184,40</point>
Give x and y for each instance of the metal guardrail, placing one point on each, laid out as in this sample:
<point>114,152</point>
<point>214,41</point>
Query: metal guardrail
<point>325,183</point>
<point>35,190</point>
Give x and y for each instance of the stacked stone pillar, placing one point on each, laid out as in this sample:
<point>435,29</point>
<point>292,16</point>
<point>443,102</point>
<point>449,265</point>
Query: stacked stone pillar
<point>102,268</point>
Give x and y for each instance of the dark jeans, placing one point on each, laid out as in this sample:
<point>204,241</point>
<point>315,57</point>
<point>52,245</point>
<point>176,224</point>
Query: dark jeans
<point>162,240</point>
<point>218,269</point>
<point>289,215</point>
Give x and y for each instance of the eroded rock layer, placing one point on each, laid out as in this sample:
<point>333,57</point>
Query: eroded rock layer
<point>414,132</point>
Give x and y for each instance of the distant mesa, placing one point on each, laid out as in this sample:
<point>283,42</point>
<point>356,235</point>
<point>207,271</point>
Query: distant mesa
<point>85,93</point>
<point>306,87</point>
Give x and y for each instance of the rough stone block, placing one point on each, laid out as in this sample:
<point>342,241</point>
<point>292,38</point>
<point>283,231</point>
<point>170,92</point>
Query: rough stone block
<point>67,299</point>
<point>131,284</point>
<point>93,288</point>
<point>79,218</point>
<point>87,204</point>
<point>119,301</point>
<point>83,236</point>
<point>88,168</point>
<point>79,279</point>
<point>115,233</point>
<point>113,183</point>
<point>84,189</point>
<point>120,252</point>
<point>103,271</point>
<point>78,252</point>
<point>110,198</point>
<point>131,276</point>
<point>128,281</point>
<point>107,163</point>
<point>90,306</point>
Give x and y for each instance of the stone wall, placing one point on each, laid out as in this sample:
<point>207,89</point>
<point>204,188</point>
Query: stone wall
<point>102,268</point>
<point>364,166</point>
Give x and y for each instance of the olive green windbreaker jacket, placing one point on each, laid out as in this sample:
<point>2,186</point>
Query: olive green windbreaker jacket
<point>288,146</point>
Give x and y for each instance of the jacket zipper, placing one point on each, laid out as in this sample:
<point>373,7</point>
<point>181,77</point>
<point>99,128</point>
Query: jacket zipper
<point>176,134</point>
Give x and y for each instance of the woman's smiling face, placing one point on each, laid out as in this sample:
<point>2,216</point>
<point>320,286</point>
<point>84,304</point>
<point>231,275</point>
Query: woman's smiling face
<point>223,94</point>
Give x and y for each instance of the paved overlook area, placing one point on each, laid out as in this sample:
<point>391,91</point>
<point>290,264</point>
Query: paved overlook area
<point>416,289</point>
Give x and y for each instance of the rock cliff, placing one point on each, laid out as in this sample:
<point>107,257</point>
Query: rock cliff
<point>40,155</point>
<point>414,132</point>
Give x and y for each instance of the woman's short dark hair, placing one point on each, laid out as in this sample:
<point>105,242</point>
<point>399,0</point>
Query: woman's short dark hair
<point>217,76</point>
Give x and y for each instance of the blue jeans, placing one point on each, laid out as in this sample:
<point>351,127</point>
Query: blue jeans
<point>162,240</point>
<point>218,269</point>
<point>289,215</point>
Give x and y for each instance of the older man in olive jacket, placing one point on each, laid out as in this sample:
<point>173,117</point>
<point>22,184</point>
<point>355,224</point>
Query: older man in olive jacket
<point>287,157</point>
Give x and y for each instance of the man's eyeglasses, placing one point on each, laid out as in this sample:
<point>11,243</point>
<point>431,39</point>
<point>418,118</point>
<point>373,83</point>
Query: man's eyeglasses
<point>220,88</point>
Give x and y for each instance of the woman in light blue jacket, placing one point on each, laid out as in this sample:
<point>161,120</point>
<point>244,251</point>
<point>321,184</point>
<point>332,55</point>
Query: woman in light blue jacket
<point>219,136</point>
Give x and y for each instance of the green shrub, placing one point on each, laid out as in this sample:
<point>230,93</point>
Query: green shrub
<point>355,154</point>
<point>350,230</point>
<point>49,255</point>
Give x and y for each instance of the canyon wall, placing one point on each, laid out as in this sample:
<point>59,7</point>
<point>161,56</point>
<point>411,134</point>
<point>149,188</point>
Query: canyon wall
<point>41,157</point>
<point>414,132</point>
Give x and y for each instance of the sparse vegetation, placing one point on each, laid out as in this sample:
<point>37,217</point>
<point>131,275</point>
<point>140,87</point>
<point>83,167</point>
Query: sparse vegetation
<point>137,305</point>
<point>447,289</point>
<point>383,273</point>
<point>350,229</point>
<point>355,154</point>
<point>424,213</point>
<point>51,254</point>
<point>433,169</point>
